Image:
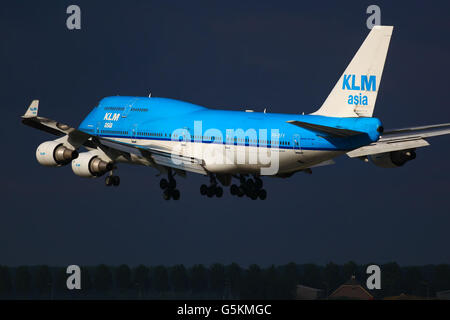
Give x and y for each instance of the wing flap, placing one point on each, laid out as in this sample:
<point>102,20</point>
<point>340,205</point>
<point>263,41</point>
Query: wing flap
<point>182,163</point>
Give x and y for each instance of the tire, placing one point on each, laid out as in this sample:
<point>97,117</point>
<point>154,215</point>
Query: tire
<point>234,190</point>
<point>262,194</point>
<point>253,195</point>
<point>210,192</point>
<point>176,194</point>
<point>250,183</point>
<point>172,184</point>
<point>166,195</point>
<point>116,181</point>
<point>219,192</point>
<point>108,181</point>
<point>203,189</point>
<point>241,192</point>
<point>258,183</point>
<point>163,184</point>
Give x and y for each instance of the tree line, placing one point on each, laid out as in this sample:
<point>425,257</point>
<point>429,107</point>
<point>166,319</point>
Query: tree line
<point>216,281</point>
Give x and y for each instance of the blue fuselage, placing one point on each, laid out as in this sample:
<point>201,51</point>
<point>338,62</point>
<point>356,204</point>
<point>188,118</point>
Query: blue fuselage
<point>162,119</point>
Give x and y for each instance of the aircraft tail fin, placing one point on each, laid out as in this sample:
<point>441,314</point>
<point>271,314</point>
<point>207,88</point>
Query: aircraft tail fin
<point>32,110</point>
<point>355,93</point>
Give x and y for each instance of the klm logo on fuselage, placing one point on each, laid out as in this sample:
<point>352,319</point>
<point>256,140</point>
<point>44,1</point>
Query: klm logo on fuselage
<point>366,83</point>
<point>111,117</point>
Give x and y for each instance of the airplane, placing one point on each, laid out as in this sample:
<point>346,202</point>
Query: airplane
<point>177,137</point>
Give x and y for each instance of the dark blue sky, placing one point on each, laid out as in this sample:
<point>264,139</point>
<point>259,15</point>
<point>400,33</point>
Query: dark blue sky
<point>284,56</point>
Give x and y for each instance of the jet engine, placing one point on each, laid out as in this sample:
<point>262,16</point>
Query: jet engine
<point>393,159</point>
<point>89,165</point>
<point>54,154</point>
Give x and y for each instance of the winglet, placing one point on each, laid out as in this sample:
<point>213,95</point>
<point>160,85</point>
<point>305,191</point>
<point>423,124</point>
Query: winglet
<point>32,110</point>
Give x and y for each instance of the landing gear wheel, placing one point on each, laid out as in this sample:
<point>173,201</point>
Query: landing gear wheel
<point>166,194</point>
<point>234,189</point>
<point>258,183</point>
<point>115,181</point>
<point>262,194</point>
<point>109,181</point>
<point>172,184</point>
<point>210,192</point>
<point>176,194</point>
<point>203,189</point>
<point>219,192</point>
<point>163,184</point>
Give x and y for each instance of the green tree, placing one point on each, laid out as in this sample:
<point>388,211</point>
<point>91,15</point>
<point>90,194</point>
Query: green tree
<point>86,281</point>
<point>179,278</point>
<point>331,277</point>
<point>141,279</point>
<point>272,284</point>
<point>253,284</point>
<point>60,283</point>
<point>217,278</point>
<point>312,276</point>
<point>199,278</point>
<point>161,279</point>
<point>412,280</point>
<point>5,282</point>
<point>23,280</point>
<point>233,275</point>
<point>289,281</point>
<point>123,278</point>
<point>43,281</point>
<point>441,279</point>
<point>102,279</point>
<point>391,279</point>
<point>349,269</point>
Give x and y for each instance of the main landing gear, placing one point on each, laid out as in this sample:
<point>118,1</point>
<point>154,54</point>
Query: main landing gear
<point>212,190</point>
<point>112,180</point>
<point>251,188</point>
<point>169,186</point>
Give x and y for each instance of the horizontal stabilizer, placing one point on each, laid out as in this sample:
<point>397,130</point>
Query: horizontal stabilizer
<point>337,132</point>
<point>382,147</point>
<point>419,132</point>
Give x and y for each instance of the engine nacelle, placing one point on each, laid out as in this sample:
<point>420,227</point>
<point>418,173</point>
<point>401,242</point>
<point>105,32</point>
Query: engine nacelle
<point>393,159</point>
<point>89,165</point>
<point>53,154</point>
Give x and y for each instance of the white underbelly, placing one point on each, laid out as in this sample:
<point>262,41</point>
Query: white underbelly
<point>220,158</point>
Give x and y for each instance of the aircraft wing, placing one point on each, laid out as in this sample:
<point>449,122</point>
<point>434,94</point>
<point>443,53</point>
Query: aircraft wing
<point>31,118</point>
<point>158,156</point>
<point>402,139</point>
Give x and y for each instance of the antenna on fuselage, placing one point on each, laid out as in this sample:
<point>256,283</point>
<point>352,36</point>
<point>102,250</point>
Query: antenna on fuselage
<point>265,109</point>
<point>150,95</point>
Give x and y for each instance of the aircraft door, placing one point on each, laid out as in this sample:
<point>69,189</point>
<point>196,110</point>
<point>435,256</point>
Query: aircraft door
<point>296,143</point>
<point>128,108</point>
<point>133,134</point>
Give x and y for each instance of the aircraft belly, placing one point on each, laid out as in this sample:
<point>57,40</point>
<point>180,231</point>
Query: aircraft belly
<point>232,159</point>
